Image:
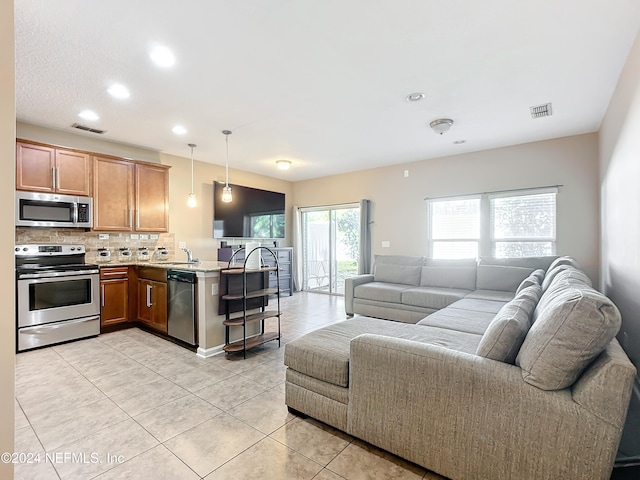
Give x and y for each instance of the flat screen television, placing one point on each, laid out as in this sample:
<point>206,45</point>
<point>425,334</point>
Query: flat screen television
<point>253,213</point>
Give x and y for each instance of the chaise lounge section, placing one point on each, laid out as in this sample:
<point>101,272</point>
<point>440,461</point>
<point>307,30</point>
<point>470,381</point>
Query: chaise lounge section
<point>496,384</point>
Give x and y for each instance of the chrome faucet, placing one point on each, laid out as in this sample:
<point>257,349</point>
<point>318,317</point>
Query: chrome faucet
<point>190,258</point>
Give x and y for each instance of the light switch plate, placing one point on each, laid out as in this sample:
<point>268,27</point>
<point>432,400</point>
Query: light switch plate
<point>182,244</point>
<point>135,236</point>
<point>103,236</point>
<point>386,244</point>
<point>214,289</point>
<point>144,236</point>
<point>154,236</point>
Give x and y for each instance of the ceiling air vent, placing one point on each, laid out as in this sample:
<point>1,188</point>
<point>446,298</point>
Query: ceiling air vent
<point>541,110</point>
<point>88,129</point>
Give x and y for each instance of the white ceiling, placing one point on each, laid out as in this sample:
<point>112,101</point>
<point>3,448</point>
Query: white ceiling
<point>322,83</point>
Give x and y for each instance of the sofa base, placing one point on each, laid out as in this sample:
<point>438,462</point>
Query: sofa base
<point>395,311</point>
<point>317,406</point>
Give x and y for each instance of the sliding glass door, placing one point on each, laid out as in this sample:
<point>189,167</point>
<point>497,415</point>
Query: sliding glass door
<point>331,239</point>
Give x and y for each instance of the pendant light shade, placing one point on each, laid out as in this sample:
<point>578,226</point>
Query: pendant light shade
<point>192,201</point>
<point>227,197</point>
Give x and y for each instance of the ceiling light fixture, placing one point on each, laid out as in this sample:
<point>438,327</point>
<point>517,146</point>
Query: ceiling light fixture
<point>459,142</point>
<point>192,201</point>
<point>415,97</point>
<point>118,91</point>
<point>162,56</point>
<point>179,130</point>
<point>89,115</point>
<point>227,197</point>
<point>283,164</point>
<point>441,125</point>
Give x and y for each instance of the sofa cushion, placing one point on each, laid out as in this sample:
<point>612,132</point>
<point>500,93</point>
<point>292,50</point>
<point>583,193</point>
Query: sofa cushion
<point>542,262</point>
<point>571,329</point>
<point>506,332</point>
<point>459,320</point>
<point>502,278</point>
<point>404,274</point>
<point>564,261</point>
<point>478,305</point>
<point>536,278</point>
<point>451,262</point>
<point>449,277</point>
<point>494,295</point>
<point>432,297</point>
<point>324,353</point>
<point>382,291</point>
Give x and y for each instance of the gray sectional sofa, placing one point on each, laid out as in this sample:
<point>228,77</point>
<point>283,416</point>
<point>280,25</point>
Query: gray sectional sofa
<point>489,370</point>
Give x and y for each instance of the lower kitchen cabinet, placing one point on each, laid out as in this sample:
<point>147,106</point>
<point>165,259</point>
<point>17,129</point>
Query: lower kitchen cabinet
<point>114,295</point>
<point>152,303</point>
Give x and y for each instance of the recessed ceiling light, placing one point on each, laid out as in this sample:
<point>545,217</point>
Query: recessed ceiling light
<point>163,57</point>
<point>283,164</point>
<point>118,91</point>
<point>415,97</point>
<point>459,142</point>
<point>89,115</point>
<point>179,130</point>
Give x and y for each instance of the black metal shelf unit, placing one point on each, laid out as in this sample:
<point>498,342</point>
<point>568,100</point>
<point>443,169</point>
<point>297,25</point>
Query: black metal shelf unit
<point>246,290</point>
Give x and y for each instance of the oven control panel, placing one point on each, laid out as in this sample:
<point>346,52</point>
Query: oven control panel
<point>47,249</point>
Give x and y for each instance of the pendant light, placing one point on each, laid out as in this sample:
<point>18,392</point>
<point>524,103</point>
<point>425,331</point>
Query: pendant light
<point>192,201</point>
<point>227,197</point>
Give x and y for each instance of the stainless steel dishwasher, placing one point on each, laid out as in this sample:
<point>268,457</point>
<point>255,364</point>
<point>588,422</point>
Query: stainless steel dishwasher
<point>181,304</point>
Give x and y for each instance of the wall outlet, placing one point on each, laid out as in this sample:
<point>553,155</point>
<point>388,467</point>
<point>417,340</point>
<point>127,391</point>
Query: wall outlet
<point>182,244</point>
<point>386,244</point>
<point>103,236</point>
<point>214,289</point>
<point>406,173</point>
<point>154,236</point>
<point>144,236</point>
<point>135,236</point>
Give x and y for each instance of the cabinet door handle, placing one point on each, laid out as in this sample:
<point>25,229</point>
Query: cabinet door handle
<point>149,296</point>
<point>137,218</point>
<point>102,294</point>
<point>57,178</point>
<point>53,178</point>
<point>130,220</point>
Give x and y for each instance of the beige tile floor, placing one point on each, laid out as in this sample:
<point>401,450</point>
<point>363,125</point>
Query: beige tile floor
<point>129,405</point>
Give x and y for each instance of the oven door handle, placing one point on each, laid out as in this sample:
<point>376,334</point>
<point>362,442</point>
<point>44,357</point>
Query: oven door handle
<point>57,274</point>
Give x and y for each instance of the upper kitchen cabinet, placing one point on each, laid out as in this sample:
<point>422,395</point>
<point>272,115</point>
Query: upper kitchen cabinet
<point>41,168</point>
<point>130,196</point>
<point>152,198</point>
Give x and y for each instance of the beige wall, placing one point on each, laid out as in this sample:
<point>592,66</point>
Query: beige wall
<point>399,209</point>
<point>620,178</point>
<point>7,182</point>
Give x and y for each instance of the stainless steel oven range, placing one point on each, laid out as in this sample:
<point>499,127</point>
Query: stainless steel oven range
<point>58,295</point>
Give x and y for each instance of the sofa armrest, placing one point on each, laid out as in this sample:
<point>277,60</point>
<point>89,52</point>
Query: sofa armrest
<point>465,416</point>
<point>349,285</point>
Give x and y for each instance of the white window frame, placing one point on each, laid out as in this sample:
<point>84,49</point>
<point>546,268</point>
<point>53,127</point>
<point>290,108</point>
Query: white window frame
<point>486,241</point>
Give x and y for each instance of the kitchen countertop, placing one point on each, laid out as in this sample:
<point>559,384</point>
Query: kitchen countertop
<point>204,266</point>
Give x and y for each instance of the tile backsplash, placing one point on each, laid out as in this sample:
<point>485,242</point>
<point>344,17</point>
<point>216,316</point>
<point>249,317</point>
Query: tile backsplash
<point>92,242</point>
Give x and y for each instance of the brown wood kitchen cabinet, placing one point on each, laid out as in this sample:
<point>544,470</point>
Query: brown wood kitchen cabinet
<point>130,196</point>
<point>152,297</point>
<point>114,295</point>
<point>41,168</point>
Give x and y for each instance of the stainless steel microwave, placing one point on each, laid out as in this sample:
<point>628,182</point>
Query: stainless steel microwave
<point>53,210</point>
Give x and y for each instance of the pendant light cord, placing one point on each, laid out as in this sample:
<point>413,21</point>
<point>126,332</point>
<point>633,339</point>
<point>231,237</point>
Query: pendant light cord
<point>192,169</point>
<point>227,161</point>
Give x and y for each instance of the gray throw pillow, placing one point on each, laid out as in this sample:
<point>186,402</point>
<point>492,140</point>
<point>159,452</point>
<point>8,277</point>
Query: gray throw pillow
<point>508,329</point>
<point>570,331</point>
<point>534,279</point>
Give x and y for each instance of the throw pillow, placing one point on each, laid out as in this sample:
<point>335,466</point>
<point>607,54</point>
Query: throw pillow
<point>508,329</point>
<point>534,279</point>
<point>570,331</point>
